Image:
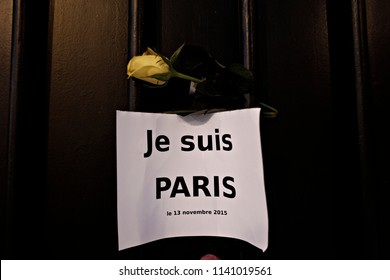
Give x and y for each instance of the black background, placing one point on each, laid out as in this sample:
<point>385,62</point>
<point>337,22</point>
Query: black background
<point>323,64</point>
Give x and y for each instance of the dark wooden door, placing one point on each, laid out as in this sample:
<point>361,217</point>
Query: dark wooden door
<point>323,64</point>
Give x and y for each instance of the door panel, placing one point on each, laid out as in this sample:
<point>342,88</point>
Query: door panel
<point>5,74</point>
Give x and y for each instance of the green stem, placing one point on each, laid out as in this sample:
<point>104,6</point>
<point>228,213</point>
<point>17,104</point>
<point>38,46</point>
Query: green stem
<point>184,76</point>
<point>272,114</point>
<point>180,112</point>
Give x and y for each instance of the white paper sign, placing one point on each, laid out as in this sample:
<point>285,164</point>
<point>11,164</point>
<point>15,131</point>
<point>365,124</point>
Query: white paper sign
<point>198,175</point>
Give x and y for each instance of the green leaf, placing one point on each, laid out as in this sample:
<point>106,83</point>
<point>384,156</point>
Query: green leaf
<point>176,54</point>
<point>210,88</point>
<point>241,77</point>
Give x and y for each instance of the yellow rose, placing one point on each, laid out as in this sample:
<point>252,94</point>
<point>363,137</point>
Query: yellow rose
<point>149,67</point>
<point>156,69</point>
